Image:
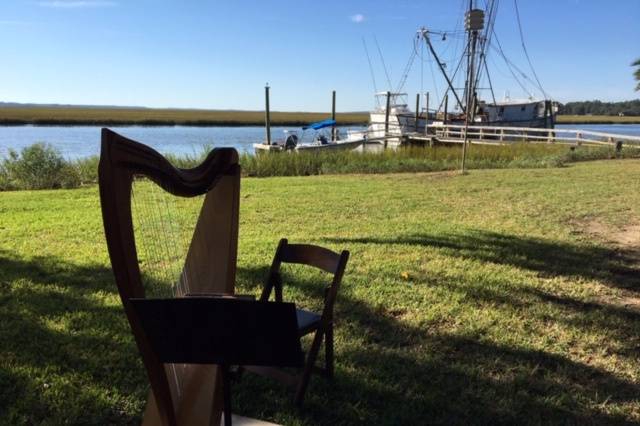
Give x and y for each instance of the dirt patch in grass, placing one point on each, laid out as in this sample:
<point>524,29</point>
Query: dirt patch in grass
<point>625,258</point>
<point>627,237</point>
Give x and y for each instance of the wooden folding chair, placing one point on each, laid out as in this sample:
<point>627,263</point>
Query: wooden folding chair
<point>308,322</point>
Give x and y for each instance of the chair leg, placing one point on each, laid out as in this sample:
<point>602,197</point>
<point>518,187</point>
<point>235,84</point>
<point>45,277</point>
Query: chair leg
<point>308,368</point>
<point>328,351</point>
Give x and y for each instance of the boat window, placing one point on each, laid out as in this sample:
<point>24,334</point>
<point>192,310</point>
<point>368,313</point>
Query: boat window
<point>523,108</point>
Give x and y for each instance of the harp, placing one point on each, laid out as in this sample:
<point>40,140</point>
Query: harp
<point>155,254</point>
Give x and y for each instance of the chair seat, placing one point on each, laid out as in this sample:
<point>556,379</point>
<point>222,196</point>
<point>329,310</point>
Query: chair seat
<point>307,321</point>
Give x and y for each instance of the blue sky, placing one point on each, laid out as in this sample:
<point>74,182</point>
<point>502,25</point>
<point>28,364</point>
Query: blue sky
<point>220,54</point>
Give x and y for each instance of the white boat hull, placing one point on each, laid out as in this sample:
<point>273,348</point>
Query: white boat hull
<point>332,146</point>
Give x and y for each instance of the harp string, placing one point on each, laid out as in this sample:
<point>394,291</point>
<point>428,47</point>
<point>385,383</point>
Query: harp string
<point>154,264</point>
<point>163,231</point>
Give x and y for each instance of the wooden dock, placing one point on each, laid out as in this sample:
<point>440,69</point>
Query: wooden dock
<point>491,135</point>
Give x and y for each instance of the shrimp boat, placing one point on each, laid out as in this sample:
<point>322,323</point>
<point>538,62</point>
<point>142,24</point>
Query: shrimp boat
<point>320,136</point>
<point>466,78</point>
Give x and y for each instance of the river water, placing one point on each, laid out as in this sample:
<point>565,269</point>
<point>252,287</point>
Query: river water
<point>82,141</point>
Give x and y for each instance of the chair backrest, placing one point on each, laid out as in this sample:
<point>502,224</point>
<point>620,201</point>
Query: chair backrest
<point>311,255</point>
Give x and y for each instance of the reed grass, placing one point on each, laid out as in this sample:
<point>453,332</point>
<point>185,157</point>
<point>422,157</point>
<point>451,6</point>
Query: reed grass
<point>74,115</point>
<point>40,166</point>
<point>596,119</point>
<point>155,116</point>
<point>419,159</point>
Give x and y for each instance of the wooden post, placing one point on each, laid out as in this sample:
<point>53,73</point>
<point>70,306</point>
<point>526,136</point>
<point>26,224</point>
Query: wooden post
<point>426,108</point>
<point>417,110</point>
<point>386,118</point>
<point>333,115</point>
<point>446,114</point>
<point>548,114</point>
<point>466,137</point>
<point>267,116</point>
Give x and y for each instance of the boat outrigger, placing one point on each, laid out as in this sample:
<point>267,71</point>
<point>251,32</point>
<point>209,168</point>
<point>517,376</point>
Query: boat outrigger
<point>324,136</point>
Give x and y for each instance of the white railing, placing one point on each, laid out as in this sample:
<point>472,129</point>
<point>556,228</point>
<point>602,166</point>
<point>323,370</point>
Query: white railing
<point>491,135</point>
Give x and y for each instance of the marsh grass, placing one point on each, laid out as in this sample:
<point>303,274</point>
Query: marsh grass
<point>44,115</point>
<point>163,117</point>
<point>419,159</point>
<point>597,119</point>
<point>41,167</point>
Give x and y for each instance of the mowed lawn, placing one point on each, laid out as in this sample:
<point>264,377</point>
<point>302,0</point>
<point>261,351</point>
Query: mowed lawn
<point>502,296</point>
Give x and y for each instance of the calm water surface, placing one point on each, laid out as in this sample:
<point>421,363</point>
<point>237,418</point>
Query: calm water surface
<point>83,141</point>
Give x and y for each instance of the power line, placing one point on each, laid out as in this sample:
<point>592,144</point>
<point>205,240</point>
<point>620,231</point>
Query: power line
<point>509,63</point>
<point>526,54</point>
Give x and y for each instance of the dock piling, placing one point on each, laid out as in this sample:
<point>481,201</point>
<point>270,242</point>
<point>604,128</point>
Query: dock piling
<point>333,115</point>
<point>386,118</point>
<point>267,115</point>
<point>426,109</point>
<point>446,114</point>
<point>417,110</point>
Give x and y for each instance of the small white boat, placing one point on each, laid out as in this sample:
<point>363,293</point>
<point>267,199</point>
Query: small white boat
<point>319,141</point>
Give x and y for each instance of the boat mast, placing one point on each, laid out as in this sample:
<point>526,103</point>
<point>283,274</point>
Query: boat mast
<point>474,23</point>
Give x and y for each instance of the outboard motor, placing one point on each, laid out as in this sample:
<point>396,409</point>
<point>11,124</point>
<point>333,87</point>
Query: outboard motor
<point>291,142</point>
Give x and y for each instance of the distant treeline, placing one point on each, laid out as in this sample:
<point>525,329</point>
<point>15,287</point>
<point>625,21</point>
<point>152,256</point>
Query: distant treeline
<point>627,108</point>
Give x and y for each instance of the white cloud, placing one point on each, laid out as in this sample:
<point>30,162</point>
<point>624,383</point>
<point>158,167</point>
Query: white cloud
<point>357,18</point>
<point>76,4</point>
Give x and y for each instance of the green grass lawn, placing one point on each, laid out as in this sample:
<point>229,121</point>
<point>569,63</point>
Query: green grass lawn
<point>502,296</point>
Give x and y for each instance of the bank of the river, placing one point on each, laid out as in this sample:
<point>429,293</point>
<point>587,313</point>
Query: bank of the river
<point>162,117</point>
<point>597,119</point>
<point>77,142</point>
<point>112,116</point>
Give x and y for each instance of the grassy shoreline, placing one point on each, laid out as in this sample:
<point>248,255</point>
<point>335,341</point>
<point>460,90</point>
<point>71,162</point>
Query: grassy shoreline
<point>41,166</point>
<point>78,116</point>
<point>74,116</point>
<point>596,119</point>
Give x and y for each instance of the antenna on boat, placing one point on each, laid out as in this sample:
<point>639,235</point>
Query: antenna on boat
<point>373,75</point>
<point>524,48</point>
<point>384,66</point>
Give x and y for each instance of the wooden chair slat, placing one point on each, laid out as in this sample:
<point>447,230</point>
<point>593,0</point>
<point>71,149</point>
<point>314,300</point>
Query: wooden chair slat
<point>311,255</point>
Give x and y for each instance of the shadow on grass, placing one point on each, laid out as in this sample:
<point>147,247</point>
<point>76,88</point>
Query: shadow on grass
<point>390,372</point>
<point>547,258</point>
<point>65,355</point>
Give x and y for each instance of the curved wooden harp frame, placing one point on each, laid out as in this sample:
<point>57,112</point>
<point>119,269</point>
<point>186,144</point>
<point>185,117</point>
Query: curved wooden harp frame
<point>210,262</point>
